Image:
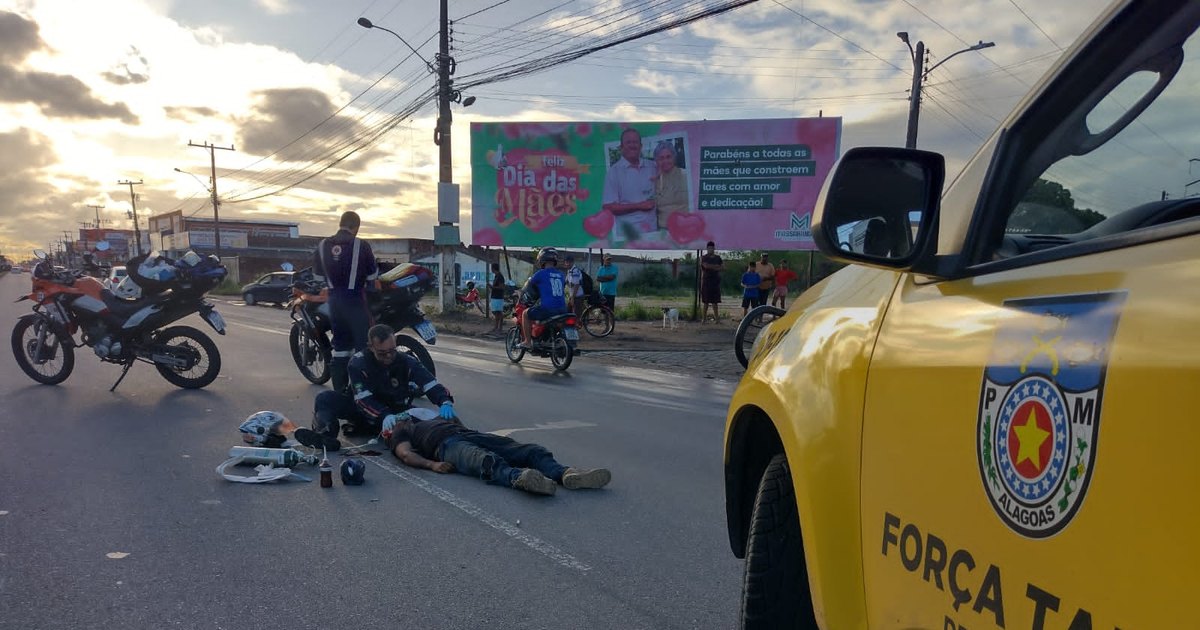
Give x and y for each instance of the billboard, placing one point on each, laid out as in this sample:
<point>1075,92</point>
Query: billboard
<point>745,184</point>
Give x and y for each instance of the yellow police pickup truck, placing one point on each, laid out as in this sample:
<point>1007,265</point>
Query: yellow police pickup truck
<point>988,420</point>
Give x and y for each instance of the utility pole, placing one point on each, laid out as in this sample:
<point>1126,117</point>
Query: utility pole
<point>137,233</point>
<point>66,247</point>
<point>446,233</point>
<point>919,75</point>
<point>97,209</point>
<point>212,154</point>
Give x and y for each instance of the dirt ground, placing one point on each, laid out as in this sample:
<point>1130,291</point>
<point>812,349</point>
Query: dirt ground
<point>626,334</point>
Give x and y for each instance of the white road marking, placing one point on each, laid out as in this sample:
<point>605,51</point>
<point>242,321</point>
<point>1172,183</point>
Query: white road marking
<point>116,555</point>
<point>512,531</point>
<point>273,331</point>
<point>564,424</point>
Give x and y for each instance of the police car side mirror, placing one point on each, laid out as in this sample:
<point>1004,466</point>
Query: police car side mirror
<point>879,207</point>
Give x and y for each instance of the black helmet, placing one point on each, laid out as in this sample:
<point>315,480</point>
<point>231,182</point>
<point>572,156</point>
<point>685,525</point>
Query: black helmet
<point>353,471</point>
<point>547,255</point>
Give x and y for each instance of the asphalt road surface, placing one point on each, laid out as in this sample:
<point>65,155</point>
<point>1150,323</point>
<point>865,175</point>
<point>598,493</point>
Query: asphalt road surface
<point>112,514</point>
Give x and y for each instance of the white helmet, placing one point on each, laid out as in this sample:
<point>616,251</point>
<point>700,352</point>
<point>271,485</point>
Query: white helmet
<point>127,289</point>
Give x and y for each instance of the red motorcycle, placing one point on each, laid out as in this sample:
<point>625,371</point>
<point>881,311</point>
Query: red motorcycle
<point>556,338</point>
<point>118,330</point>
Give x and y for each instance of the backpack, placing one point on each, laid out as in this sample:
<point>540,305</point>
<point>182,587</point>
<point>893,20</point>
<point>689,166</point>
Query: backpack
<point>586,284</point>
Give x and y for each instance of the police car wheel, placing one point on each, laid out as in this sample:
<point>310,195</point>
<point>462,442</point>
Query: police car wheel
<point>248,298</point>
<point>775,582</point>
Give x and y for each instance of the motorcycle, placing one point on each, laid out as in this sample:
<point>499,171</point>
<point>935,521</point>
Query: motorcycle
<point>122,331</point>
<point>396,304</point>
<point>556,338</point>
<point>470,299</point>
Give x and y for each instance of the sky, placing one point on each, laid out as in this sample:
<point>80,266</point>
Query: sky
<point>94,93</point>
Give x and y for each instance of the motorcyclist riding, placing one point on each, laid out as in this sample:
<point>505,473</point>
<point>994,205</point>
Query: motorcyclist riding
<point>383,383</point>
<point>548,286</point>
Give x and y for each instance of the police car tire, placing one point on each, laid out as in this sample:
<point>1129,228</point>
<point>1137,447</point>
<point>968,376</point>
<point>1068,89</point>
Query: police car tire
<point>248,298</point>
<point>775,582</point>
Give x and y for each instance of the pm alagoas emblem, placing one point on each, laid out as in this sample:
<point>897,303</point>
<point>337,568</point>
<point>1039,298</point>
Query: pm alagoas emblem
<point>1039,408</point>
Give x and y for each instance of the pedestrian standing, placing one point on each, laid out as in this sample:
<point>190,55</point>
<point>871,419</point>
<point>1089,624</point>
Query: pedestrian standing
<point>710,282</point>
<point>607,276</point>
<point>750,284</point>
<point>347,265</point>
<point>783,276</point>
<point>576,299</point>
<point>496,297</point>
<point>766,275</point>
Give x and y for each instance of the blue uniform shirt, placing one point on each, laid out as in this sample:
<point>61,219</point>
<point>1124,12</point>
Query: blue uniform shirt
<point>346,263</point>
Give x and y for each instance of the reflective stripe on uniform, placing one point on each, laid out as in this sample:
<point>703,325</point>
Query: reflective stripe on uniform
<point>430,385</point>
<point>343,353</point>
<point>354,264</point>
<point>366,393</point>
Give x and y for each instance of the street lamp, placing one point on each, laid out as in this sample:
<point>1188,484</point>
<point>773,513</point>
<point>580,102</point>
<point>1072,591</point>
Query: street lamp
<point>919,76</point>
<point>445,233</point>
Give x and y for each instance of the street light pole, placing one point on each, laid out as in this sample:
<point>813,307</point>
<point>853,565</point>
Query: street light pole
<point>445,233</point>
<point>919,75</point>
<point>212,154</point>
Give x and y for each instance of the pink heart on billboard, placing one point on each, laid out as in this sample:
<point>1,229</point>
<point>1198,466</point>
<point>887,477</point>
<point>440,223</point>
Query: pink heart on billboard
<point>487,236</point>
<point>599,224</point>
<point>685,227</point>
<point>582,193</point>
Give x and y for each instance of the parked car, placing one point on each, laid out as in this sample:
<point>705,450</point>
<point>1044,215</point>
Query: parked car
<point>273,287</point>
<point>986,420</point>
<point>114,278</point>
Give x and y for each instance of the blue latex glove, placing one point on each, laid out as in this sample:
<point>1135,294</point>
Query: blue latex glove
<point>447,411</point>
<point>389,422</point>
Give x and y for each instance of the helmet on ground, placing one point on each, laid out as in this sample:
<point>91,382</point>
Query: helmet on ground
<point>548,255</point>
<point>353,471</point>
<point>266,428</point>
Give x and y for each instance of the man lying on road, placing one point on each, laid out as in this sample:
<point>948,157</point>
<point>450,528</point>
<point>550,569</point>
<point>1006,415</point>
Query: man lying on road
<point>380,381</point>
<point>444,446</point>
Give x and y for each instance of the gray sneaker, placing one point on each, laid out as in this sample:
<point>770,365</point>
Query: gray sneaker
<point>576,478</point>
<point>535,482</point>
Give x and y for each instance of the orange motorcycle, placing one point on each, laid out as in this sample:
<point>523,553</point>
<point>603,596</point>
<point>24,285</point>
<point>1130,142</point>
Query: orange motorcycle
<point>119,330</point>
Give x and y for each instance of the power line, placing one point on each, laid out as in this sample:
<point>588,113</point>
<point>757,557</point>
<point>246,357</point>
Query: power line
<point>837,35</point>
<point>1035,24</point>
<point>483,9</point>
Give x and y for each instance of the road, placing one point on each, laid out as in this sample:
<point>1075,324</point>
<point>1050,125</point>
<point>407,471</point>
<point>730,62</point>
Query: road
<point>112,515</point>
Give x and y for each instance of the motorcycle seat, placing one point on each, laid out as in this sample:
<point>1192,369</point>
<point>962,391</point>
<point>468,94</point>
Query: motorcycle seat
<point>124,308</point>
<point>556,318</point>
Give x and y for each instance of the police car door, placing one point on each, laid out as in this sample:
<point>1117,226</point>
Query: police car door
<point>1029,434</point>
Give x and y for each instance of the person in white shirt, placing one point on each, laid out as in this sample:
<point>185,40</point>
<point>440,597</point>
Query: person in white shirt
<point>574,286</point>
<point>629,191</point>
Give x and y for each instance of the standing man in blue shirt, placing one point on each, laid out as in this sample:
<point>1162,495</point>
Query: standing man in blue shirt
<point>347,264</point>
<point>607,276</point>
<point>547,286</point>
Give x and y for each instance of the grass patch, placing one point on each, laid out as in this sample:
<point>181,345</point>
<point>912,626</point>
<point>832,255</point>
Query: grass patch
<point>227,287</point>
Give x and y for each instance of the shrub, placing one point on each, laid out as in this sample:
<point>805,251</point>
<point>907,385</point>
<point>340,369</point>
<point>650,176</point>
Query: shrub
<point>634,311</point>
<point>227,287</point>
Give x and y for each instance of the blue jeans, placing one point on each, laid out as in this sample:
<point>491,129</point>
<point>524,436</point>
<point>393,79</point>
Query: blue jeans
<point>497,459</point>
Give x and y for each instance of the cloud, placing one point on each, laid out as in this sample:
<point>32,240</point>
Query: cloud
<point>275,7</point>
<point>58,95</point>
<point>184,112</point>
<point>282,115</point>
<point>18,37</point>
<point>134,69</point>
<point>659,83</point>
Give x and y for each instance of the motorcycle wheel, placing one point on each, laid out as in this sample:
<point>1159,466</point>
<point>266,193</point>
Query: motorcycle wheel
<point>512,345</point>
<point>208,359</point>
<point>598,321</point>
<point>561,352</point>
<point>303,346</point>
<point>416,350</point>
<point>52,370</point>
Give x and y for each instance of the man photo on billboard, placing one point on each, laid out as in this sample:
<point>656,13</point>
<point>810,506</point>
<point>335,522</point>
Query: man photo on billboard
<point>629,191</point>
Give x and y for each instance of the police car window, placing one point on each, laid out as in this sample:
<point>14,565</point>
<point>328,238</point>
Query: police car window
<point>1140,177</point>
